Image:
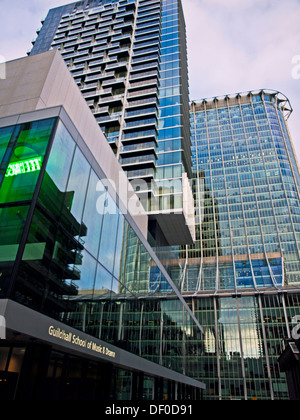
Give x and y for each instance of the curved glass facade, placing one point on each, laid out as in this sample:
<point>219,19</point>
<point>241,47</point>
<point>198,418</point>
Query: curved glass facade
<point>68,252</point>
<point>246,186</point>
<point>129,60</point>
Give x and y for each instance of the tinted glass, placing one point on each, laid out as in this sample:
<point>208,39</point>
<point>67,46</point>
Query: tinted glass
<point>25,161</point>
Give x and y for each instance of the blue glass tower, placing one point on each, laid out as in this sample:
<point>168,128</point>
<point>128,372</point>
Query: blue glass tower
<point>242,275</point>
<point>248,180</point>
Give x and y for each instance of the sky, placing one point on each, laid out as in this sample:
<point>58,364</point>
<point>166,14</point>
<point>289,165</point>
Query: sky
<point>233,45</point>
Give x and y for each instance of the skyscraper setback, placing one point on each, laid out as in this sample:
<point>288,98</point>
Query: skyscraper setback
<point>129,60</point>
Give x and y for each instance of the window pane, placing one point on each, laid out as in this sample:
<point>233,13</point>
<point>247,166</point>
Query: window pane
<point>77,186</point>
<point>86,265</point>
<point>103,280</point>
<point>108,235</point>
<point>26,160</point>
<point>92,218</point>
<point>16,359</point>
<point>12,221</point>
<point>5,135</point>
<point>57,171</point>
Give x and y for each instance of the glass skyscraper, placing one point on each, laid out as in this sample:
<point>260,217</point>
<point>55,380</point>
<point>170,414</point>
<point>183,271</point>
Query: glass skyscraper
<point>247,192</point>
<point>242,275</point>
<point>129,60</point>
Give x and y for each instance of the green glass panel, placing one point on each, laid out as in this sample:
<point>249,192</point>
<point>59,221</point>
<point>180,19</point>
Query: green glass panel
<point>120,246</point>
<point>46,271</point>
<point>12,221</point>
<point>5,136</point>
<point>23,168</point>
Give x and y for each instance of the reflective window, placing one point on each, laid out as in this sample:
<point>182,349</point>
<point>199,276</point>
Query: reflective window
<point>23,166</point>
<point>77,185</point>
<point>92,217</point>
<point>12,222</point>
<point>109,234</point>
<point>103,281</point>
<point>85,266</point>
<point>5,136</point>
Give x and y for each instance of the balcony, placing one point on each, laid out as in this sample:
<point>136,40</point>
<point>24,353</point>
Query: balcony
<point>146,160</point>
<point>140,123</point>
<point>145,51</point>
<point>119,99</point>
<point>117,64</point>
<point>112,118</point>
<point>122,37</point>
<point>145,58</point>
<point>144,92</point>
<point>112,140</point>
<point>104,92</point>
<point>123,25</point>
<point>104,110</point>
<point>140,112</point>
<point>145,66</point>
<point>136,136</point>
<point>141,102</point>
<point>89,94</point>
<point>141,173</point>
<point>147,82</point>
<point>139,147</point>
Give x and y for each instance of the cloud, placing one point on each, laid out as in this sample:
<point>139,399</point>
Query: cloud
<point>19,22</point>
<point>233,45</point>
<point>236,46</point>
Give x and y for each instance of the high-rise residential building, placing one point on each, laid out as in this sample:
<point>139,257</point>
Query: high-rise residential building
<point>242,275</point>
<point>129,59</point>
<point>80,318</point>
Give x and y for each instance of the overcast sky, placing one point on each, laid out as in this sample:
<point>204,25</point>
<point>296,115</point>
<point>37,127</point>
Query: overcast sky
<point>233,45</point>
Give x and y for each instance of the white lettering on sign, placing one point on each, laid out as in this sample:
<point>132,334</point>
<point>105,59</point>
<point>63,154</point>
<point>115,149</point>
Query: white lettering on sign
<point>24,166</point>
<point>78,341</point>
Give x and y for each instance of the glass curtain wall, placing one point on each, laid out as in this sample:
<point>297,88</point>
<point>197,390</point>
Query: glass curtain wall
<point>22,151</point>
<point>243,339</point>
<point>246,187</point>
<point>68,252</point>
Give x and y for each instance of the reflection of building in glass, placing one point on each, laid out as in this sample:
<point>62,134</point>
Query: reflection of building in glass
<point>94,272</point>
<point>242,150</point>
